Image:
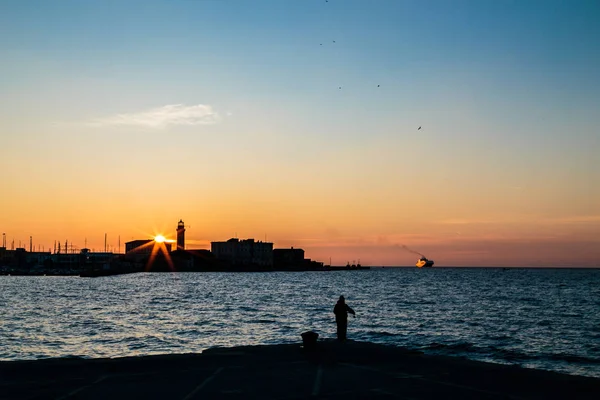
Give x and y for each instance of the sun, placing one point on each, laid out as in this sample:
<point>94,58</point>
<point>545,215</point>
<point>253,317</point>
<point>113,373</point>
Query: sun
<point>159,238</point>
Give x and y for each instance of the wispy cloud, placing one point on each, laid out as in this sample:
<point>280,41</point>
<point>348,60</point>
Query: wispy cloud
<point>161,117</point>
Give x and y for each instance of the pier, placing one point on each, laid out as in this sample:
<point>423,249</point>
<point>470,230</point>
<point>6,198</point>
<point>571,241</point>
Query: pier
<point>350,370</point>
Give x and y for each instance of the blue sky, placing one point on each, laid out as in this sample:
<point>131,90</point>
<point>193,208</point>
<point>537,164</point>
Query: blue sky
<point>498,54</point>
<point>507,92</point>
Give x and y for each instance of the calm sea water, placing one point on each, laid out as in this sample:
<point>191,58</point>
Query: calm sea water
<point>537,318</point>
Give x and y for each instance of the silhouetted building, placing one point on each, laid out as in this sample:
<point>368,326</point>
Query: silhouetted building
<point>21,261</point>
<point>97,257</point>
<point>196,260</point>
<point>21,258</point>
<point>283,258</point>
<point>136,244</point>
<point>180,235</point>
<point>4,255</point>
<point>244,252</point>
<point>144,247</point>
<point>293,260</point>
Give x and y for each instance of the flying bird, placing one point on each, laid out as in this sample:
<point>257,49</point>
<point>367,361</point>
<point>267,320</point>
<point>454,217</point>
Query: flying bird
<point>334,41</point>
<point>340,87</point>
<point>377,85</point>
<point>419,129</point>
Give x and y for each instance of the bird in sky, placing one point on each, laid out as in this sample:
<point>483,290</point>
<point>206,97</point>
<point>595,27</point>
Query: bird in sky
<point>340,87</point>
<point>419,129</point>
<point>377,85</point>
<point>334,41</point>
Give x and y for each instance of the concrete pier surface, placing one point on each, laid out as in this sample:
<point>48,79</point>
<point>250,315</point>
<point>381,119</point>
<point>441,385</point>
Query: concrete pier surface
<point>350,370</point>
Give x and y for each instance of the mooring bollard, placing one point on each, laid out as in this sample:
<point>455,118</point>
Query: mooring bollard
<point>309,340</point>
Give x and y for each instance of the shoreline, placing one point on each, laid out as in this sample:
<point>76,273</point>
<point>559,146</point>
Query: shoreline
<point>112,272</point>
<point>287,371</point>
<point>325,269</point>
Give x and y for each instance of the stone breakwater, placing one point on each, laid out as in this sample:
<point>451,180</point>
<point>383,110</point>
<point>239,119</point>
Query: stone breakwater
<point>332,370</point>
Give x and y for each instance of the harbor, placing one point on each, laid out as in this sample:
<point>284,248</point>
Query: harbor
<point>159,254</point>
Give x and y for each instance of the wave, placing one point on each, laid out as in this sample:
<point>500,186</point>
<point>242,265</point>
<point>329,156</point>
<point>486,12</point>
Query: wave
<point>75,357</point>
<point>571,358</point>
<point>504,354</point>
<point>494,352</point>
<point>463,312</point>
<point>383,334</point>
<point>462,346</point>
<point>261,321</point>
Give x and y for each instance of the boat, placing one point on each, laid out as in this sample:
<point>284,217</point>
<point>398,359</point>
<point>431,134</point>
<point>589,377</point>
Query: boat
<point>350,267</point>
<point>424,263</point>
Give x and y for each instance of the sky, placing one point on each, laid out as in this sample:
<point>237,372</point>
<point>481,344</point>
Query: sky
<point>297,122</point>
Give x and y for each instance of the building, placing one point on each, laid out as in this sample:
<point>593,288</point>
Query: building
<point>284,258</point>
<point>196,260</point>
<point>180,235</point>
<point>97,258</point>
<point>144,247</point>
<point>244,252</point>
<point>21,261</point>
<point>137,244</point>
<point>293,260</point>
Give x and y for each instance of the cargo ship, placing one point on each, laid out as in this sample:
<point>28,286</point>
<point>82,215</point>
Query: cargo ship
<point>424,262</point>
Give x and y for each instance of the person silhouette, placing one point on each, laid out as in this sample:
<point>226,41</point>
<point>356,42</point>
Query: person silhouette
<point>341,311</point>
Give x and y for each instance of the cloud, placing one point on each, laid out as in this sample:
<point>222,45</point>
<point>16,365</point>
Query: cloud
<point>161,117</point>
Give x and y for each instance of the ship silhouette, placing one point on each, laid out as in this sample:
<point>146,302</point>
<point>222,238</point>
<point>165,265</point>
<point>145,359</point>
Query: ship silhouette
<point>424,262</point>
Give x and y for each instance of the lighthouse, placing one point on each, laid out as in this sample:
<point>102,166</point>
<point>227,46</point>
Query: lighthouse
<point>180,235</point>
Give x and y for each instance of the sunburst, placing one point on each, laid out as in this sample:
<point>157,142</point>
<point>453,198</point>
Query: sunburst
<point>158,245</point>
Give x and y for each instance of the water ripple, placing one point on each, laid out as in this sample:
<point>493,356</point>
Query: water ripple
<point>543,319</point>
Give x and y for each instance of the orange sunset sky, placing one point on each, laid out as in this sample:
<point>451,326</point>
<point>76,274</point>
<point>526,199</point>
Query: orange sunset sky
<point>247,119</point>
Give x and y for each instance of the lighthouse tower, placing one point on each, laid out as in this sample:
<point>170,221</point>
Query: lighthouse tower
<point>180,235</point>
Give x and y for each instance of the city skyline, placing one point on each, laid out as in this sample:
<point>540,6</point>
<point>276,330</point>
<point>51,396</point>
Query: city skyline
<point>117,245</point>
<point>466,130</point>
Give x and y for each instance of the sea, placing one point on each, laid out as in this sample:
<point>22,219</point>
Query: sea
<point>546,319</point>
